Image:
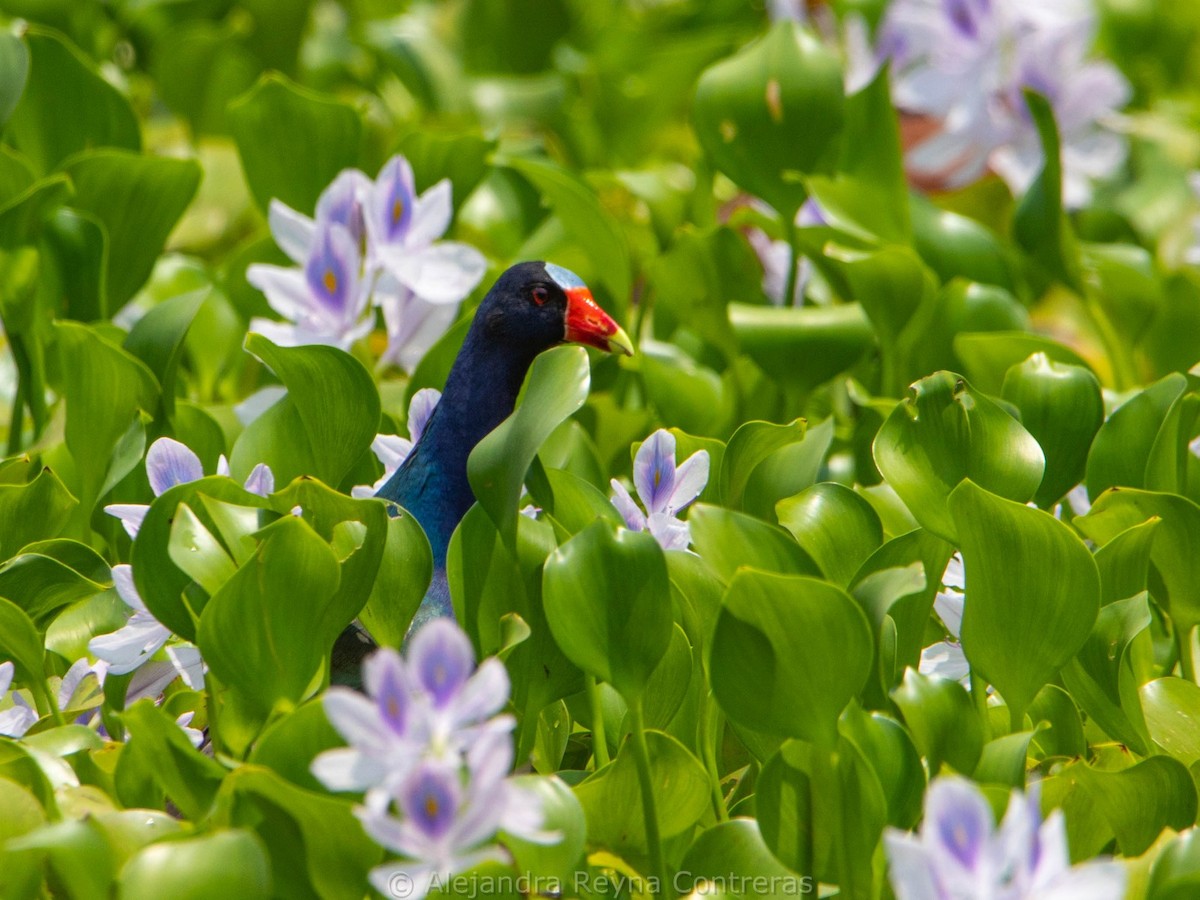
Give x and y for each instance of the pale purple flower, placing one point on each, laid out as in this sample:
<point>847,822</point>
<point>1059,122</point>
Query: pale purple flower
<point>776,257</point>
<point>133,645</point>
<point>959,854</point>
<point>664,489</point>
<point>20,717</point>
<point>443,817</point>
<point>392,450</point>
<point>324,300</point>
<point>963,64</point>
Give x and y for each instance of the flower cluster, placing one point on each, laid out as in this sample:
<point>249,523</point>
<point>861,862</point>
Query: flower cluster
<point>371,244</point>
<point>664,489</point>
<point>431,751</point>
<point>959,853</point>
<point>958,69</point>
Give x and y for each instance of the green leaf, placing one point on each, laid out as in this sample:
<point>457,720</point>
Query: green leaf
<point>612,799</point>
<point>157,340</point>
<point>942,720</point>
<point>159,752</point>
<point>788,654</point>
<point>556,386</point>
<point>1140,801</point>
<point>323,427</point>
<point>404,574</point>
<point>462,158</point>
<point>1172,709</point>
<point>944,432</point>
<point>734,853</point>
<point>1062,408</point>
<point>1121,454</point>
<point>21,642</point>
<point>67,106</point>
<point>1175,551</point>
<point>197,553</point>
<point>685,393</point>
<point>289,745</point>
<point>77,853</point>
<point>267,630</point>
<point>1004,760</point>
<point>1040,223</point>
<point>835,526</point>
<point>803,346</point>
<point>33,511</point>
<point>607,602</point>
<point>729,540</point>
<point>585,222</point>
<point>104,387</point>
<point>14,70</point>
<point>223,863</point>
<point>954,245</point>
<point>292,141</point>
<point>1104,678</point>
<point>870,190</point>
<point>890,750</point>
<point>750,446</point>
<point>987,356</point>
<point>1019,627</point>
<point>563,814</point>
<point>1175,873</point>
<point>772,111</point>
<point>316,845</point>
<point>48,575</point>
<point>138,200</point>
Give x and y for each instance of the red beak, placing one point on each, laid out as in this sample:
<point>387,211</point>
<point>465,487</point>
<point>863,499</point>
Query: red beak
<point>588,324</point>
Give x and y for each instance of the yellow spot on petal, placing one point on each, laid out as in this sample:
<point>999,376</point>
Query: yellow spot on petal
<point>431,806</point>
<point>330,281</point>
<point>775,100</point>
<point>397,211</point>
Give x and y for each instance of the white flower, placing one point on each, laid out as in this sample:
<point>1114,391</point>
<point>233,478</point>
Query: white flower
<point>960,855</point>
<point>946,659</point>
<point>18,718</point>
<point>664,489</point>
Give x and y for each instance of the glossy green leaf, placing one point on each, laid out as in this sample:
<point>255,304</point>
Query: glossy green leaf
<point>772,111</point>
<point>835,526</point>
<point>612,800</point>
<point>1123,448</point>
<point>1175,551</point>
<point>160,753</point>
<point>66,106</point>
<point>315,843</point>
<point>733,853</point>
<point>267,630</point>
<point>1058,728</point>
<point>788,654</point>
<point>323,427</point>
<point>942,719</point>
<point>21,642</point>
<point>1019,628</point>
<point>802,346</point>
<point>1004,760</point>
<point>1175,874</point>
<point>403,577</point>
<point>1040,224</point>
<point>556,387</point>
<point>231,862</point>
<point>158,339</point>
<point>104,388</point>
<point>606,599</point>
<point>288,746</point>
<point>78,854</point>
<point>1140,801</point>
<point>893,756</point>
<point>729,540</point>
<point>668,683</point>
<point>988,355</point>
<point>870,190</point>
<point>1104,678</point>
<point>37,510</point>
<point>321,134</point>
<point>1172,710</point>
<point>137,200</point>
<point>1124,562</point>
<point>48,575</point>
<point>944,432</point>
<point>954,245</point>
<point>1062,408</point>
<point>562,814</point>
<point>749,447</point>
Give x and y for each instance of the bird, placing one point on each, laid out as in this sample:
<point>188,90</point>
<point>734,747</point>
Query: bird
<point>532,307</point>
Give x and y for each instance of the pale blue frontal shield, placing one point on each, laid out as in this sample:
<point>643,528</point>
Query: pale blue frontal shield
<point>564,278</point>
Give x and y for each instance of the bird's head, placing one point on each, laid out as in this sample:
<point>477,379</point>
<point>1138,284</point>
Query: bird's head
<point>537,305</point>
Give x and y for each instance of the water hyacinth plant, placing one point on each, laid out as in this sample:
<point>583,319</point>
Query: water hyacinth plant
<point>566,450</point>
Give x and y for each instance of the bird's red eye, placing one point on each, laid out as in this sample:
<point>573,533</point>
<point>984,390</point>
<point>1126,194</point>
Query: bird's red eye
<point>540,295</point>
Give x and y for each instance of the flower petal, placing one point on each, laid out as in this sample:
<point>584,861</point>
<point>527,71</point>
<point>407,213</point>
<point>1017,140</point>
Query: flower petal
<point>6,677</point>
<point>261,480</point>
<point>910,868</point>
<point>259,402</point>
<point>445,272</point>
<point>17,720</point>
<point>130,514</point>
<point>484,694</point>
<point>293,231</point>
<point>188,663</point>
<point>285,289</point>
<point>431,217</point>
<point>122,576</point>
<point>348,769</point>
<point>654,471</point>
<point>420,408</point>
<point>169,463</point>
<point>634,518</point>
<point>958,823</point>
<point>440,660</point>
<point>690,479</point>
<point>354,717</point>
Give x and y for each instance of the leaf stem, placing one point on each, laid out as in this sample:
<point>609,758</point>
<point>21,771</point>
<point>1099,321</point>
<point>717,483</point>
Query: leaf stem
<point>1187,655</point>
<point>599,743</point>
<point>641,755</point>
<point>979,695</point>
<point>711,724</point>
<point>790,234</point>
